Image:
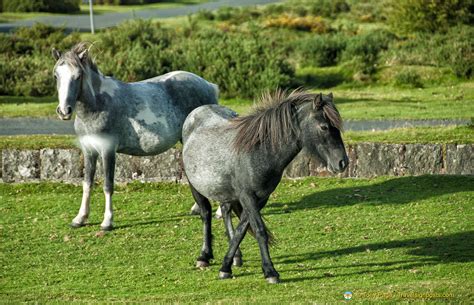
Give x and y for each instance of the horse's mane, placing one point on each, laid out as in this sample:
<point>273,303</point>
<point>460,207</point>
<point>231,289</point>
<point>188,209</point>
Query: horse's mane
<point>272,122</point>
<point>71,57</point>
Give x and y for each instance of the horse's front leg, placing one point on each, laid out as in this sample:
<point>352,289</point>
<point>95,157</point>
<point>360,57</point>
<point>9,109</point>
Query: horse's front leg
<point>90,162</point>
<point>108,161</point>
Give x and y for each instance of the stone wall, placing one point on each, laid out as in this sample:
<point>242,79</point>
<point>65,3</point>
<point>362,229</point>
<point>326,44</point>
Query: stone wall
<point>366,160</point>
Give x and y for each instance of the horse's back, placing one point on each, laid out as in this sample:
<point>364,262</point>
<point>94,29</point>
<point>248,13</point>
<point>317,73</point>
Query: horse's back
<point>187,87</point>
<point>207,135</point>
<point>207,116</point>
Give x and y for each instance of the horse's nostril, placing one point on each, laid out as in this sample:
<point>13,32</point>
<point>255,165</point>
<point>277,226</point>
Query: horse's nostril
<point>68,110</point>
<point>343,163</point>
<point>58,111</point>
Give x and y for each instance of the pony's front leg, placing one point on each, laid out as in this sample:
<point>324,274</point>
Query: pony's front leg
<point>90,162</point>
<point>108,161</point>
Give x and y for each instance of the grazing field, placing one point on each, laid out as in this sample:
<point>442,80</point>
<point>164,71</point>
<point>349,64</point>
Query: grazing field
<point>384,239</point>
<point>354,103</point>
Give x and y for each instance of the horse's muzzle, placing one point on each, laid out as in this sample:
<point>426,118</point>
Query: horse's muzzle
<point>64,116</point>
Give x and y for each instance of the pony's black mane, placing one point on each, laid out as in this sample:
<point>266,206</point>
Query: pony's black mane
<point>71,57</point>
<point>272,122</point>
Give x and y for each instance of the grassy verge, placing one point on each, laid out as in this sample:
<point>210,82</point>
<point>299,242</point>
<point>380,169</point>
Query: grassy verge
<point>359,103</point>
<point>439,135</point>
<point>385,239</point>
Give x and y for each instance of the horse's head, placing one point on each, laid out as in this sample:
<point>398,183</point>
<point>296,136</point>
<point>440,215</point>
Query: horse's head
<point>321,126</point>
<point>68,72</point>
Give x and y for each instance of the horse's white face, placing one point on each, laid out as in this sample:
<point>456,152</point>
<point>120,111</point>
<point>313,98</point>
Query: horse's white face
<point>68,83</point>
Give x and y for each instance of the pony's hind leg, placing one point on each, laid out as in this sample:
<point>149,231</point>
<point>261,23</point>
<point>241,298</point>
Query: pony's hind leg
<point>90,162</point>
<point>206,217</point>
<point>108,160</point>
<point>227,216</point>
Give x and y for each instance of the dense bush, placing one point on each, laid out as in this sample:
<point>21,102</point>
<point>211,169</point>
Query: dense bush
<point>408,78</point>
<point>306,23</point>
<point>241,63</point>
<point>453,49</point>
<point>363,50</point>
<point>53,6</point>
<point>430,15</point>
<point>321,50</point>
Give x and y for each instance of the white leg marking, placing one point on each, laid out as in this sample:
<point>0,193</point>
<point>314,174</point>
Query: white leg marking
<point>108,214</point>
<point>83,214</point>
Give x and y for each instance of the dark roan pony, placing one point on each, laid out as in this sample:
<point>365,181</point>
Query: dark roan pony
<point>142,118</point>
<point>239,161</point>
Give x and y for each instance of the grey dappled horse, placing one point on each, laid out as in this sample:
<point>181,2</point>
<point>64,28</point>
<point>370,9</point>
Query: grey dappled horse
<point>239,161</point>
<point>142,118</point>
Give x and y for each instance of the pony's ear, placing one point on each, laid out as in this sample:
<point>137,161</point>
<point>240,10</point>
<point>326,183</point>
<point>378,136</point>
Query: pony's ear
<point>318,101</point>
<point>56,54</point>
<point>330,95</point>
<point>83,55</point>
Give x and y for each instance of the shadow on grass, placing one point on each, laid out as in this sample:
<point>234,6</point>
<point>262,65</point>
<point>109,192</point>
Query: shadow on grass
<point>453,248</point>
<point>399,190</point>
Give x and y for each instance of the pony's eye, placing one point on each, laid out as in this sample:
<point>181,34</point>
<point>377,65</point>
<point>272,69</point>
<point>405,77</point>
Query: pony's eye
<point>324,127</point>
<point>55,76</point>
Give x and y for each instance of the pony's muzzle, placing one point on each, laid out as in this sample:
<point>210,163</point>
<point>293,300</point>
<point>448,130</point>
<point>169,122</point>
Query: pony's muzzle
<point>67,113</point>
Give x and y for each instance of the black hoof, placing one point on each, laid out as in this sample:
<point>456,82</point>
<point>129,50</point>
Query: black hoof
<point>225,275</point>
<point>273,280</point>
<point>107,229</point>
<point>237,262</point>
<point>202,264</point>
<point>76,225</point>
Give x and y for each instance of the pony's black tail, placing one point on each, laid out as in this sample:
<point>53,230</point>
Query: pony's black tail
<point>237,208</point>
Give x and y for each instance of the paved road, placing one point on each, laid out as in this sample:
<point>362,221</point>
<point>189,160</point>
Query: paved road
<point>24,126</point>
<point>81,22</point>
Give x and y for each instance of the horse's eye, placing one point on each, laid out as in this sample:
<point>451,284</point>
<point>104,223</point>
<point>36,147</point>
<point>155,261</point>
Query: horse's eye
<point>324,127</point>
<point>55,76</point>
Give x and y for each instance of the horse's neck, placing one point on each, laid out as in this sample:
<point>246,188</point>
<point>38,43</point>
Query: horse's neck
<point>90,92</point>
<point>283,156</point>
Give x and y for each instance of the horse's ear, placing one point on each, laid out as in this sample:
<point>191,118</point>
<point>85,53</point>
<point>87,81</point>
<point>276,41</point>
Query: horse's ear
<point>330,95</point>
<point>318,101</point>
<point>83,55</point>
<point>56,54</point>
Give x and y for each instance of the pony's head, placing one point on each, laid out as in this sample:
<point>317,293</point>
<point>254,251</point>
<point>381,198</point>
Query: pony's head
<point>321,127</point>
<point>69,73</point>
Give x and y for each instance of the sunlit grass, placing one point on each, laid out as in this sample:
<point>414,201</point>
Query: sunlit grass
<point>377,238</point>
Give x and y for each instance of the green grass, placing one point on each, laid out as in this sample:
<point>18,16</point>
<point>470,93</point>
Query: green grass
<point>439,135</point>
<point>378,238</point>
<point>357,103</point>
<point>386,102</point>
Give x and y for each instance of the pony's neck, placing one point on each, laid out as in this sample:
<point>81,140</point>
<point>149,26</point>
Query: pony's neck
<point>283,156</point>
<point>87,101</point>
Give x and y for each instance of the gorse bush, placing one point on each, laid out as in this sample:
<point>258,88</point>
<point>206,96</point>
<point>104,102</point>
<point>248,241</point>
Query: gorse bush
<point>430,15</point>
<point>306,23</point>
<point>321,50</point>
<point>363,50</point>
<point>53,6</point>
<point>408,78</point>
<point>241,63</point>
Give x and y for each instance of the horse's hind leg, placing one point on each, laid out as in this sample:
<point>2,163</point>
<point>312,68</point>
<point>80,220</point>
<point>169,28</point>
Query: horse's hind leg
<point>226,214</point>
<point>108,160</point>
<point>206,212</point>
<point>90,162</point>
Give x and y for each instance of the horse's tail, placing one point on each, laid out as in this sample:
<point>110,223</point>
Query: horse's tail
<point>237,208</point>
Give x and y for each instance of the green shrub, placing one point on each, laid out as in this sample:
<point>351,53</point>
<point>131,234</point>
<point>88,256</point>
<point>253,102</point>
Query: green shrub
<point>326,8</point>
<point>321,50</point>
<point>430,15</point>
<point>457,51</point>
<point>363,50</point>
<point>408,78</point>
<point>53,6</point>
<point>241,64</point>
